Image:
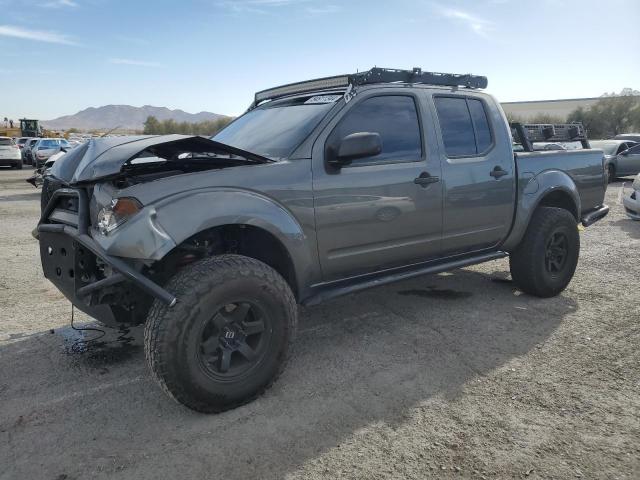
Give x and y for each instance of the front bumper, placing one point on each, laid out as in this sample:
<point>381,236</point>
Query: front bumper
<point>70,257</point>
<point>631,204</point>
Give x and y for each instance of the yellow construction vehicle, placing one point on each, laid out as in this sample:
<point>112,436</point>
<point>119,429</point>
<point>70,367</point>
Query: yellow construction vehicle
<point>27,128</point>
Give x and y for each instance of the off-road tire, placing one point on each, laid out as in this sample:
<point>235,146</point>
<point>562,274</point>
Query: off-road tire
<point>528,261</point>
<point>171,338</point>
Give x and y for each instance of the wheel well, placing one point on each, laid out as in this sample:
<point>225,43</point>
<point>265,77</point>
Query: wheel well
<point>246,240</point>
<point>560,199</point>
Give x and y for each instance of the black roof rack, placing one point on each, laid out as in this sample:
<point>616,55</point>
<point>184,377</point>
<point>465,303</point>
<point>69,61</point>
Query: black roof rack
<point>375,75</point>
<point>528,133</point>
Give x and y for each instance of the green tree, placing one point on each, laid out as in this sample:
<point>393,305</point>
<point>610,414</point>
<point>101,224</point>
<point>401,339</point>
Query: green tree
<point>609,116</point>
<point>152,126</point>
<point>546,118</point>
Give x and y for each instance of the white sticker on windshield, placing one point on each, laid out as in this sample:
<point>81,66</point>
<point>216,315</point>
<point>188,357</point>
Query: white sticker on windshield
<point>323,99</point>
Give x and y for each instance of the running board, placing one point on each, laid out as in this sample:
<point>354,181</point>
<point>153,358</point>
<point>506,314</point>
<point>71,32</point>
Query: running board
<point>344,287</point>
<point>592,217</point>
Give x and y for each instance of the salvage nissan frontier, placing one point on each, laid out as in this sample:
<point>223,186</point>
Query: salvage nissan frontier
<point>322,188</point>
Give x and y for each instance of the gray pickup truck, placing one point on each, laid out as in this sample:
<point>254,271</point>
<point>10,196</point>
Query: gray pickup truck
<point>320,189</point>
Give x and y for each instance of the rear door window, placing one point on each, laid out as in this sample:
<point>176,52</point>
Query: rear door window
<point>464,126</point>
<point>481,124</point>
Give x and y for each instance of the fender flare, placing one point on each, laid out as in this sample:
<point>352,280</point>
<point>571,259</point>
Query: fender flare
<point>159,228</point>
<point>532,194</point>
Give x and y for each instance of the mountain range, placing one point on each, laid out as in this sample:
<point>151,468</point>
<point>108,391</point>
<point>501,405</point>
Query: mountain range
<point>124,117</point>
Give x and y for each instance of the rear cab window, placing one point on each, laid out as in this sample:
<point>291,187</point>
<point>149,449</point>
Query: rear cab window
<point>464,126</point>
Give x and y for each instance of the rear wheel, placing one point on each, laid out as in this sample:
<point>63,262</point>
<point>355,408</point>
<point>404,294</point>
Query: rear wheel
<point>611,172</point>
<point>228,337</point>
<point>18,166</point>
<point>546,259</point>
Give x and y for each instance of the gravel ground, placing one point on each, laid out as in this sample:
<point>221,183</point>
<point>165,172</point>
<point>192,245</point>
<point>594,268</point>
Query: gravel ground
<point>452,375</point>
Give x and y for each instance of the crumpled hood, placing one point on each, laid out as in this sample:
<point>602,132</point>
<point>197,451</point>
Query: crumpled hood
<point>104,157</point>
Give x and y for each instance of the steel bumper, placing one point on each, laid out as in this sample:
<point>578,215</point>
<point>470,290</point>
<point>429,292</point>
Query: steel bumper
<point>69,260</point>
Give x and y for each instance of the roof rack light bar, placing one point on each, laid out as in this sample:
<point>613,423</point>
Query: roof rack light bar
<point>375,75</point>
<point>390,75</point>
<point>340,81</point>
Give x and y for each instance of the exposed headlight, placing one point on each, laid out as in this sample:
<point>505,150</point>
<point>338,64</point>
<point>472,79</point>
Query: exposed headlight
<point>114,215</point>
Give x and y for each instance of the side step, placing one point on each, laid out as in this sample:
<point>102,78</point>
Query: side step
<point>327,291</point>
<point>597,214</point>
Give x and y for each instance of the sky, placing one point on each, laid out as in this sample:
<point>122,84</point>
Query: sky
<point>60,56</point>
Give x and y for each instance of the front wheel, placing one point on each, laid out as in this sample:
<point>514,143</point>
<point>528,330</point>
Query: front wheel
<point>228,337</point>
<point>546,259</point>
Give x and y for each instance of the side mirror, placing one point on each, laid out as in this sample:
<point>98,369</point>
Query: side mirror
<point>624,153</point>
<point>357,145</point>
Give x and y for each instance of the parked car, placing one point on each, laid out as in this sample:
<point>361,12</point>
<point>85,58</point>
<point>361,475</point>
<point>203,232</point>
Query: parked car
<point>37,178</point>
<point>214,242</point>
<point>634,137</point>
<point>45,147</point>
<point>27,152</point>
<point>21,141</point>
<point>549,146</point>
<point>617,162</point>
<point>631,201</point>
<point>10,153</point>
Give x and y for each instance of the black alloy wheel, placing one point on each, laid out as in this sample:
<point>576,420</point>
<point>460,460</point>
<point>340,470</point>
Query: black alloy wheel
<point>234,341</point>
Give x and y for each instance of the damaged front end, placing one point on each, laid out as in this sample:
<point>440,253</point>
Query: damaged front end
<point>77,207</point>
<point>103,286</point>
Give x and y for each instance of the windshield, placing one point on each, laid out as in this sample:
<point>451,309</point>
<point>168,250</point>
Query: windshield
<point>274,131</point>
<point>609,148</point>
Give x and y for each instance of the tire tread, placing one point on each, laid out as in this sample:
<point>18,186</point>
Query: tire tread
<point>523,261</point>
<point>188,286</point>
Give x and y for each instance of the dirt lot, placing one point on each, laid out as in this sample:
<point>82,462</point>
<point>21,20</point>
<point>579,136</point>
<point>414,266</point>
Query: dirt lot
<point>456,375</point>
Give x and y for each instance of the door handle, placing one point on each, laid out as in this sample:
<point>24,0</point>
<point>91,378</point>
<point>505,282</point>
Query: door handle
<point>425,179</point>
<point>498,172</point>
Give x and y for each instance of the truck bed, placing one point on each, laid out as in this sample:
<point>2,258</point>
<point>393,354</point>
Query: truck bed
<point>585,167</point>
